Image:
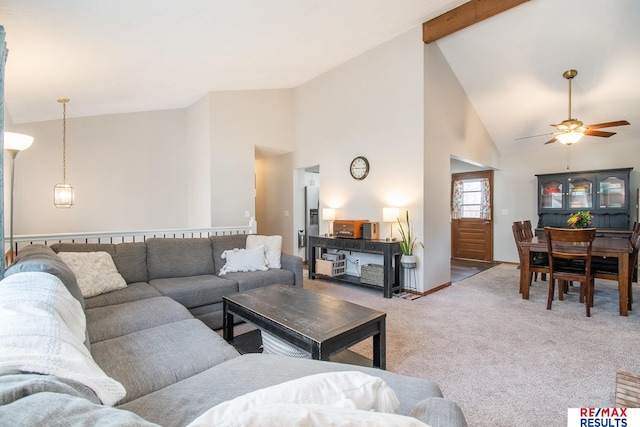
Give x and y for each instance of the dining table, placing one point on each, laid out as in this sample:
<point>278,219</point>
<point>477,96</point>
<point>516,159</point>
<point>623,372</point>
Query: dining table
<point>610,247</point>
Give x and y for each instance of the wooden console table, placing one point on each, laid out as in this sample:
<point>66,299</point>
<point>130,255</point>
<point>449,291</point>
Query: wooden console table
<point>390,251</point>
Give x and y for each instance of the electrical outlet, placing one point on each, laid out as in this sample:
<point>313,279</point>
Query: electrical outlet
<point>247,214</point>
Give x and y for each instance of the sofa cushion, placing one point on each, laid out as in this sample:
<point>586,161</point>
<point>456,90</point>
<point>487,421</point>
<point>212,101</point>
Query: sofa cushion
<point>130,257</point>
<point>96,272</point>
<point>149,360</point>
<point>195,291</point>
<point>239,377</point>
<point>219,244</point>
<point>121,319</point>
<point>131,260</point>
<point>179,257</point>
<point>210,314</point>
<point>15,385</point>
<point>133,292</point>
<point>258,279</point>
<point>58,409</point>
<point>41,258</point>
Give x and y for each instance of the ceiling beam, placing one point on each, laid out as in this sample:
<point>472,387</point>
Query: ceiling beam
<point>464,16</point>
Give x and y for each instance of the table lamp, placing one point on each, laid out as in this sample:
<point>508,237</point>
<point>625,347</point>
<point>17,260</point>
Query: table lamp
<point>329,214</point>
<point>390,215</point>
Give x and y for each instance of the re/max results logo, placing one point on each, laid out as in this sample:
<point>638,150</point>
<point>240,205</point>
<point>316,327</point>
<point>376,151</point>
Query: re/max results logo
<point>603,417</point>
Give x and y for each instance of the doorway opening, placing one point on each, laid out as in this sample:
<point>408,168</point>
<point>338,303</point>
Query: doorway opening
<point>311,207</point>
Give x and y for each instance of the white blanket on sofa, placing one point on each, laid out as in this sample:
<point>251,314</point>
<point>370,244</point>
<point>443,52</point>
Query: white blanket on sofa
<point>42,330</point>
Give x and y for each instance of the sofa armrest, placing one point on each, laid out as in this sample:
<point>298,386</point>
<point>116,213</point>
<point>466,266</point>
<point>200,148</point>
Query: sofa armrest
<point>292,263</point>
<point>439,412</point>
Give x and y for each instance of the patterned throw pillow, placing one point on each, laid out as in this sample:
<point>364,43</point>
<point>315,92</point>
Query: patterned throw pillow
<point>96,272</point>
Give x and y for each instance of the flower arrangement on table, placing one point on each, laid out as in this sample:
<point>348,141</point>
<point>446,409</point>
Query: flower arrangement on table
<point>580,220</point>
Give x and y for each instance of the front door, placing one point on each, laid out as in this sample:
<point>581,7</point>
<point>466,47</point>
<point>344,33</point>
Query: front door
<point>472,215</point>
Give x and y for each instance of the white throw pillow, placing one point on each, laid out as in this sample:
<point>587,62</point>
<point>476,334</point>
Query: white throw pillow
<point>244,260</point>
<point>311,415</point>
<point>273,245</point>
<point>350,389</point>
<point>95,271</point>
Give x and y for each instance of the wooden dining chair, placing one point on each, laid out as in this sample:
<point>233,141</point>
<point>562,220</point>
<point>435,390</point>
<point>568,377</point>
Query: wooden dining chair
<point>537,258</point>
<point>605,268</point>
<point>536,264</point>
<point>633,263</point>
<point>570,260</point>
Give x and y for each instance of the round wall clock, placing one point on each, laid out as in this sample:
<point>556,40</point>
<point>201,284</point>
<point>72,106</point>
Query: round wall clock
<point>359,168</point>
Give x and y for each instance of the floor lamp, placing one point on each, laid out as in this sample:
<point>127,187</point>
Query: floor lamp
<point>14,143</point>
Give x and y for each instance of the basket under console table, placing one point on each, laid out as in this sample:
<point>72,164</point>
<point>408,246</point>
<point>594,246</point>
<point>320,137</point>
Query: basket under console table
<point>390,251</point>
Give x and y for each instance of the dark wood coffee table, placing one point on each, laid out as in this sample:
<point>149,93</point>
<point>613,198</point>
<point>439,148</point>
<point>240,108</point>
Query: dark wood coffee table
<point>319,324</point>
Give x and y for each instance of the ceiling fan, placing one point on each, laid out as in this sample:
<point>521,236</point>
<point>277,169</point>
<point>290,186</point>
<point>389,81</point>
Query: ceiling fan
<point>572,130</point>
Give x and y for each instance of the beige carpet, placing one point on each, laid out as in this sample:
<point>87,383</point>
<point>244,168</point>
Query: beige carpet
<point>505,360</point>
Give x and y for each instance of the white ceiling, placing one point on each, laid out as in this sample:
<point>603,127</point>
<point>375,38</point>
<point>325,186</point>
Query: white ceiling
<point>124,56</point>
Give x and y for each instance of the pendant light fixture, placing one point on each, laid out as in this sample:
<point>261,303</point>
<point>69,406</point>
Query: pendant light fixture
<point>63,192</point>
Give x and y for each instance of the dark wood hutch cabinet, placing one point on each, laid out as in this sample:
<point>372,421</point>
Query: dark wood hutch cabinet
<point>605,193</point>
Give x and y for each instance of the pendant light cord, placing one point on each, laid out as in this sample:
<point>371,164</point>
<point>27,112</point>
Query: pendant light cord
<point>64,142</point>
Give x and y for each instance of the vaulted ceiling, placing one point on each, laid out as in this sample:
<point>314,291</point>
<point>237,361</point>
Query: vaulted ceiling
<point>121,56</point>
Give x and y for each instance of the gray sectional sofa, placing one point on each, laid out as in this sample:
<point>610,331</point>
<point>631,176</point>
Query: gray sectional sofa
<point>185,270</point>
<point>156,338</point>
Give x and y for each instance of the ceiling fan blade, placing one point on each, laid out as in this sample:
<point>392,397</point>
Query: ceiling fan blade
<point>534,136</point>
<point>599,133</point>
<point>608,124</point>
<point>551,141</point>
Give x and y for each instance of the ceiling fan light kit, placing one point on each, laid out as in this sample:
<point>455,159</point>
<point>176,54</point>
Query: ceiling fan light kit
<point>569,138</point>
<point>572,130</point>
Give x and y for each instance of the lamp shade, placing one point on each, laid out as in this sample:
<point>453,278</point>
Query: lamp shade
<point>328,214</point>
<point>390,214</point>
<point>63,195</point>
<point>568,138</point>
<point>17,141</point>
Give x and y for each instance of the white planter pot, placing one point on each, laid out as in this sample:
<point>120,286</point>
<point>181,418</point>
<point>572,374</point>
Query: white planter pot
<point>408,261</point>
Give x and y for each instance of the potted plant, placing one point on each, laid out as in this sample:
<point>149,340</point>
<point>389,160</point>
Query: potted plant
<point>407,244</point>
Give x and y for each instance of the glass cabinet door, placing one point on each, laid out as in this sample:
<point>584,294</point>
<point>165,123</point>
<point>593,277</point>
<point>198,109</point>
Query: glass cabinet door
<point>612,193</point>
<point>551,195</point>
<point>580,194</point>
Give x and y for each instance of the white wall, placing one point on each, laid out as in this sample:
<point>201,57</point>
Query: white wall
<point>240,121</point>
<point>199,164</point>
<point>191,167</point>
<point>452,128</point>
<point>129,172</point>
<point>370,106</point>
